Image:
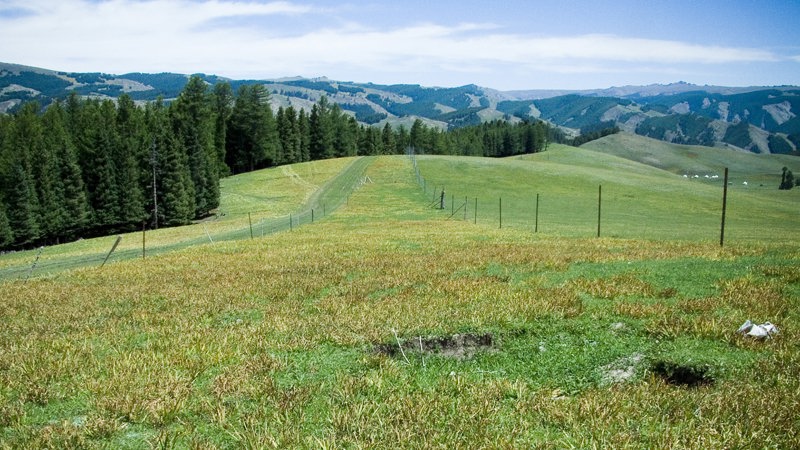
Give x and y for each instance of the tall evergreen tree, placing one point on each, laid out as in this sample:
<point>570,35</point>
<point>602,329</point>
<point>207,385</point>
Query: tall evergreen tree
<point>320,130</point>
<point>174,202</point>
<point>6,235</point>
<point>130,153</point>
<point>252,136</point>
<point>415,137</point>
<point>22,205</point>
<point>73,206</point>
<point>303,128</point>
<point>370,142</point>
<point>99,169</point>
<point>40,162</point>
<point>289,135</point>
<point>387,139</point>
<point>193,124</point>
<point>223,105</point>
<point>20,199</point>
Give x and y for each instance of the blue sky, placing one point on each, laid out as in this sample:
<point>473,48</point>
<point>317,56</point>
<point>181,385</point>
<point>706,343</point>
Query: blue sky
<point>511,44</point>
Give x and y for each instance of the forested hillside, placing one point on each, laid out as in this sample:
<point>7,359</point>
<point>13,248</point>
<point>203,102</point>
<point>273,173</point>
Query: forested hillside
<point>85,167</point>
<point>756,119</point>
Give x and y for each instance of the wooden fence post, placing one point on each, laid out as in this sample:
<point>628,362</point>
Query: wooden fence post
<point>113,247</point>
<point>599,203</point>
<point>724,207</point>
<point>501,212</point>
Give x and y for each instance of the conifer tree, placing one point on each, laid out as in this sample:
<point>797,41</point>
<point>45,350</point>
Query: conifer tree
<point>129,156</point>
<point>99,169</point>
<point>174,203</point>
<point>304,136</point>
<point>193,124</point>
<point>251,138</point>
<point>19,199</point>
<point>73,206</point>
<point>320,130</point>
<point>22,205</point>
<point>6,236</point>
<point>387,139</point>
<point>223,105</point>
<point>40,163</point>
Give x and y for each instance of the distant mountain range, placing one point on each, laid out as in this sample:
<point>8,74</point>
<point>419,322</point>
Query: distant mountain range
<point>755,119</point>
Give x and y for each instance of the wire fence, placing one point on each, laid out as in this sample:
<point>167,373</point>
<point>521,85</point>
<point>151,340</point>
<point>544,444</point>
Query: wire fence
<point>617,210</point>
<point>46,261</point>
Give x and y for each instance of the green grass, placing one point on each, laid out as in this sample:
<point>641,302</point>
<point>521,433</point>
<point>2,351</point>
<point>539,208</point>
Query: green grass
<point>695,160</point>
<point>272,342</point>
<point>638,200</point>
<point>263,200</point>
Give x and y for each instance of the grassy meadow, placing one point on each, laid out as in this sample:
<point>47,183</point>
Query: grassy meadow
<point>263,199</point>
<point>390,324</point>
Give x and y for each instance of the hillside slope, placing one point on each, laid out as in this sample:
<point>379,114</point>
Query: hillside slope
<point>694,160</point>
<point>757,119</point>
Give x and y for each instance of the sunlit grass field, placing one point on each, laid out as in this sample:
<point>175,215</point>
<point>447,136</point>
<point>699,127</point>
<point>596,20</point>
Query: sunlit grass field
<point>326,336</point>
<point>636,201</point>
<point>261,201</point>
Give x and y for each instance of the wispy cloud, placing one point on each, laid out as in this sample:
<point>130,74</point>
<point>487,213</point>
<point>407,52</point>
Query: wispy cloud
<point>217,36</point>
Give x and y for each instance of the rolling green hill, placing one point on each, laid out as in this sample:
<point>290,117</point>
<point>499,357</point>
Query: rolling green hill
<point>392,324</point>
<point>696,160</point>
<point>639,200</point>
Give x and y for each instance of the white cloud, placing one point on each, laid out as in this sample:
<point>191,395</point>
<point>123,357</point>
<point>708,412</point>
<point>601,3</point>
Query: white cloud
<point>192,36</point>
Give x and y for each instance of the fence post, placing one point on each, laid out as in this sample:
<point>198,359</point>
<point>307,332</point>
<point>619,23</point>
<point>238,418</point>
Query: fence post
<point>501,212</point>
<point>536,221</point>
<point>35,261</point>
<point>113,247</point>
<point>144,227</point>
<point>290,222</point>
<point>476,210</point>
<point>452,204</point>
<point>207,234</point>
<point>599,202</point>
<point>250,221</point>
<point>724,207</point>
<point>312,215</point>
<point>465,209</point>
<point>441,200</point>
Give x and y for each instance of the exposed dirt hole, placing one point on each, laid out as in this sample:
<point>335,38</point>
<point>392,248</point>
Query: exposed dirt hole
<point>454,346</point>
<point>683,375</point>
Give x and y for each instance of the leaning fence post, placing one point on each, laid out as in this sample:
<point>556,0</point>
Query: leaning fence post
<point>33,266</point>
<point>113,247</point>
<point>250,221</point>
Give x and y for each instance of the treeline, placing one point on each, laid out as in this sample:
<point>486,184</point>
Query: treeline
<point>89,167</point>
